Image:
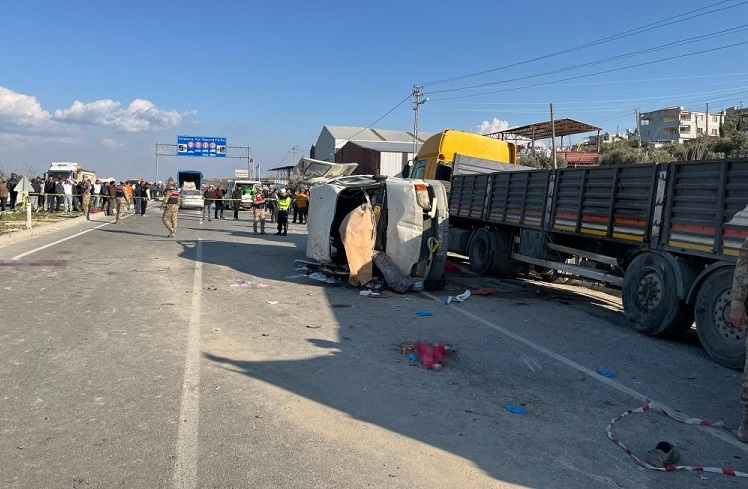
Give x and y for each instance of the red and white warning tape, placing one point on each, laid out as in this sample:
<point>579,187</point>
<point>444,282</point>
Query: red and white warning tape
<point>671,468</point>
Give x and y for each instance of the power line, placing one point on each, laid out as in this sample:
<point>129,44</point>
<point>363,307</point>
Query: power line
<point>612,70</point>
<point>638,30</point>
<point>689,40</point>
<point>385,115</point>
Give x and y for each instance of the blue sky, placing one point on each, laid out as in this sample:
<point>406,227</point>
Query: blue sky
<point>102,82</point>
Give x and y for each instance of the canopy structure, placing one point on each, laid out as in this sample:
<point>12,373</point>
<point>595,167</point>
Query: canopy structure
<point>546,130</point>
<point>549,129</point>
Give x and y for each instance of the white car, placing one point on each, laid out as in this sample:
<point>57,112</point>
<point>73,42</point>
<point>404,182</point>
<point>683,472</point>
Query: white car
<point>411,217</point>
<point>191,199</point>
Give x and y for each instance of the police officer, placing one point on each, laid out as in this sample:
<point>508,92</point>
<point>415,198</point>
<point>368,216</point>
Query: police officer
<point>123,202</point>
<point>284,203</point>
<point>737,318</point>
<point>170,205</point>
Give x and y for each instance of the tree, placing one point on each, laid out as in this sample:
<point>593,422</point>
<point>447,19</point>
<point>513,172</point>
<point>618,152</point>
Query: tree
<point>541,161</point>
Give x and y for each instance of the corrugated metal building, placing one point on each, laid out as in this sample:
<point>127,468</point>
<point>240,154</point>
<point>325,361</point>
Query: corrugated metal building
<point>376,157</point>
<point>332,138</point>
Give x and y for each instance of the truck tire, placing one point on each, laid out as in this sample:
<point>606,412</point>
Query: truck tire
<point>481,251</point>
<point>650,298</point>
<point>722,342</point>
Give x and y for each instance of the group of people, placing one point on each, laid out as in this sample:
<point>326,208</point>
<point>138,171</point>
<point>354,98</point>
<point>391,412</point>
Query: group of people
<point>55,194</point>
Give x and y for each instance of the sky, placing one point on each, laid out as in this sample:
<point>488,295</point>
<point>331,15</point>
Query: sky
<point>104,83</point>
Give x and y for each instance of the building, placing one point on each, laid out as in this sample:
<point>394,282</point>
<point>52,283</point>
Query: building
<point>607,138</point>
<point>377,157</point>
<point>332,138</point>
<point>676,124</point>
<point>740,111</point>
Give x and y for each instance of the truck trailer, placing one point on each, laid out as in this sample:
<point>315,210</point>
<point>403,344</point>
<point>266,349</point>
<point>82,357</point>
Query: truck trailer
<point>667,234</point>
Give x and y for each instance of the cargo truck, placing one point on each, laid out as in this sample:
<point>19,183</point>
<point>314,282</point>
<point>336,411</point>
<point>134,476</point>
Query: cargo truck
<point>70,170</point>
<point>668,235</point>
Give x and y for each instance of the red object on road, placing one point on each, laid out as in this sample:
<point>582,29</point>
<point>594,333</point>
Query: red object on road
<point>451,267</point>
<point>484,291</point>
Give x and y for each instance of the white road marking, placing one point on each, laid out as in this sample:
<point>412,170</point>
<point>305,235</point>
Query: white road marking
<point>185,467</point>
<point>721,434</point>
<point>18,257</point>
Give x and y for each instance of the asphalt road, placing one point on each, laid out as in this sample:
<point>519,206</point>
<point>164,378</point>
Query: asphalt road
<point>128,359</point>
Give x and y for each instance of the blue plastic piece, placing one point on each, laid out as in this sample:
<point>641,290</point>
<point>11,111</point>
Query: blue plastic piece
<point>515,409</point>
<point>606,373</point>
<point>423,313</point>
<point>413,358</point>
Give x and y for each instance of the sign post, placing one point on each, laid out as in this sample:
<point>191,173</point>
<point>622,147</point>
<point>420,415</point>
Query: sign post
<point>24,187</point>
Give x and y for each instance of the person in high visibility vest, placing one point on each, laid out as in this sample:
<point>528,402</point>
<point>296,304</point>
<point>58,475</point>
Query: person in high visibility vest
<point>284,203</point>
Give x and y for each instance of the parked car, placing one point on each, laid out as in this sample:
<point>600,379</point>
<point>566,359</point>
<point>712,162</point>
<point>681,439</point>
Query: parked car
<point>191,199</point>
<point>410,215</point>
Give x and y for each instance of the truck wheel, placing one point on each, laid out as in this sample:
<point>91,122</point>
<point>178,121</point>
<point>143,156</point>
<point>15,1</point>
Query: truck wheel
<point>650,298</point>
<point>481,251</point>
<point>722,342</point>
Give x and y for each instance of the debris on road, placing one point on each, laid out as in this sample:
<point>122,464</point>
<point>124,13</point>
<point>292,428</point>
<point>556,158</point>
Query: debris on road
<point>423,313</point>
<point>459,298</point>
<point>606,373</point>
<point>369,293</point>
<point>395,280</point>
<point>515,409</point>
<point>248,284</point>
<point>484,291</point>
<point>321,277</point>
<point>272,303</point>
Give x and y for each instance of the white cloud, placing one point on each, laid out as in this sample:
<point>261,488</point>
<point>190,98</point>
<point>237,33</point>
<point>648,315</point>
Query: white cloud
<point>20,111</point>
<point>495,125</point>
<point>140,116</point>
<point>111,143</point>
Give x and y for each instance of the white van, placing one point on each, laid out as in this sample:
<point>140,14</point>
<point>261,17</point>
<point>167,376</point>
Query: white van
<point>249,188</point>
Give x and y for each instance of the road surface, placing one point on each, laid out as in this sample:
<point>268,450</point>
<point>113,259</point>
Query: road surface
<point>129,359</point>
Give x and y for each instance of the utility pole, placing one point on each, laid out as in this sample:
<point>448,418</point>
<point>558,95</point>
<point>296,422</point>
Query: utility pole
<point>553,139</point>
<point>707,120</point>
<point>416,104</point>
<point>638,127</point>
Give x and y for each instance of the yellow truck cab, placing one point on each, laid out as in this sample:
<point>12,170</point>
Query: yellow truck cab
<point>434,160</point>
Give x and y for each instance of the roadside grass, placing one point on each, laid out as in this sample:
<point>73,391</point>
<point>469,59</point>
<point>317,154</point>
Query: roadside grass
<point>14,220</point>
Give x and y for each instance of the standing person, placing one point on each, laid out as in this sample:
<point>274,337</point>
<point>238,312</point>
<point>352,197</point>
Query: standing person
<point>95,194</point>
<point>36,199</point>
<point>59,193</point>
<point>737,318</point>
<point>170,205</point>
<point>136,195</point>
<point>294,205</point>
<point>236,200</point>
<point>120,193</point>
<point>219,194</point>
<point>302,203</point>
<point>127,187</point>
<point>106,207</point>
<point>86,191</point>
<point>144,186</point>
<point>284,203</point>
<point>4,193</point>
<point>49,194</point>
<point>207,201</point>
<point>271,203</point>
<point>12,182</point>
<point>258,212</point>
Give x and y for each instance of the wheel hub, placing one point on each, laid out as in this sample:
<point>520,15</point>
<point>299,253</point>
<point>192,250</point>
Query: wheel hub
<point>649,292</point>
<point>724,326</point>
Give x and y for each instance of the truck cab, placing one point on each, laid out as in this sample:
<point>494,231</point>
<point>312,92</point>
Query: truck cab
<point>434,159</point>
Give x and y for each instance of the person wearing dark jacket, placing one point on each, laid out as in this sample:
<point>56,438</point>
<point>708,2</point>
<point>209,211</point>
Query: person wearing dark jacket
<point>49,194</point>
<point>236,200</point>
<point>12,182</point>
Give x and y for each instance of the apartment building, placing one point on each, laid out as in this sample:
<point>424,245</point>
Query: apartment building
<point>678,124</point>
